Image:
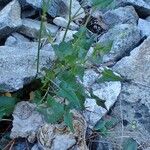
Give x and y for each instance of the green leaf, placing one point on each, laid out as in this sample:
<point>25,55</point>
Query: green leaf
<point>130,144</point>
<point>109,75</point>
<point>110,123</point>
<point>99,125</point>
<point>7,105</point>
<point>68,119</point>
<point>68,93</point>
<point>63,50</point>
<point>101,4</point>
<point>54,112</point>
<point>99,101</point>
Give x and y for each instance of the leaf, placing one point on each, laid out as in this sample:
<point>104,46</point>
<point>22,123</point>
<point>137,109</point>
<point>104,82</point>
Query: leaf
<point>130,144</point>
<point>99,101</point>
<point>63,50</point>
<point>68,93</point>
<point>54,112</point>
<point>101,4</point>
<point>109,75</point>
<point>110,123</point>
<point>99,125</point>
<point>7,105</point>
<point>68,119</point>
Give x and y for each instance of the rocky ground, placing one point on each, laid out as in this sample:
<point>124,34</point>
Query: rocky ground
<point>127,25</point>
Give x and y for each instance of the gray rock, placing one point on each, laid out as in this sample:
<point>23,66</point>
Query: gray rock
<point>136,67</point>
<point>62,22</point>
<point>108,91</point>
<point>121,15</point>
<point>60,35</point>
<point>26,120</point>
<point>31,28</point>
<point>56,7</point>
<point>133,111</point>
<point>144,26</point>
<point>124,38</point>
<point>18,64</point>
<point>15,39</point>
<point>142,6</point>
<point>10,18</point>
<point>148,18</point>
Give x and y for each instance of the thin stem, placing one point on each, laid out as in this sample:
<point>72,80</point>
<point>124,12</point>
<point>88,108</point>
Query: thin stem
<point>39,47</point>
<point>70,19</point>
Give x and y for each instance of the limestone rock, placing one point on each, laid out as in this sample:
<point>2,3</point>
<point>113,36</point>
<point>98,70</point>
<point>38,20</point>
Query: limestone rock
<point>121,15</point>
<point>18,64</point>
<point>31,28</point>
<point>15,39</point>
<point>62,22</point>
<point>10,18</point>
<point>144,26</point>
<point>56,7</point>
<point>60,35</point>
<point>108,91</point>
<point>136,67</point>
<point>124,38</point>
<point>141,6</point>
<point>26,120</point>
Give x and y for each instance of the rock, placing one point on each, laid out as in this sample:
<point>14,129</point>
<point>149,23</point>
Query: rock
<point>148,18</point>
<point>136,67</point>
<point>124,38</point>
<point>108,91</point>
<point>89,78</point>
<point>31,28</point>
<point>133,111</point>
<point>58,136</point>
<point>141,6</point>
<point>60,35</point>
<point>57,7</point>
<point>121,15</point>
<point>15,39</point>
<point>62,22</point>
<point>18,64</point>
<point>26,120</point>
<point>144,26</point>
<point>10,18</point>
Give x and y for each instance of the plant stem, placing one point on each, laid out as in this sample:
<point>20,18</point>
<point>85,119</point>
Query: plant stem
<point>70,19</point>
<point>39,47</point>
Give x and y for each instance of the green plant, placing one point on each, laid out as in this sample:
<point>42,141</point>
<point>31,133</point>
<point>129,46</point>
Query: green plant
<point>103,126</point>
<point>62,90</point>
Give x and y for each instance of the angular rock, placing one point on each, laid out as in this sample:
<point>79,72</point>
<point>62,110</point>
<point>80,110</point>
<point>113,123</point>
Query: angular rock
<point>26,120</point>
<point>133,111</point>
<point>136,67</point>
<point>15,39</point>
<point>124,38</point>
<point>56,7</point>
<point>31,28</point>
<point>148,18</point>
<point>144,26</point>
<point>60,35</point>
<point>10,18</point>
<point>121,15</point>
<point>62,22</point>
<point>18,64</point>
<point>108,91</point>
<point>141,6</point>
